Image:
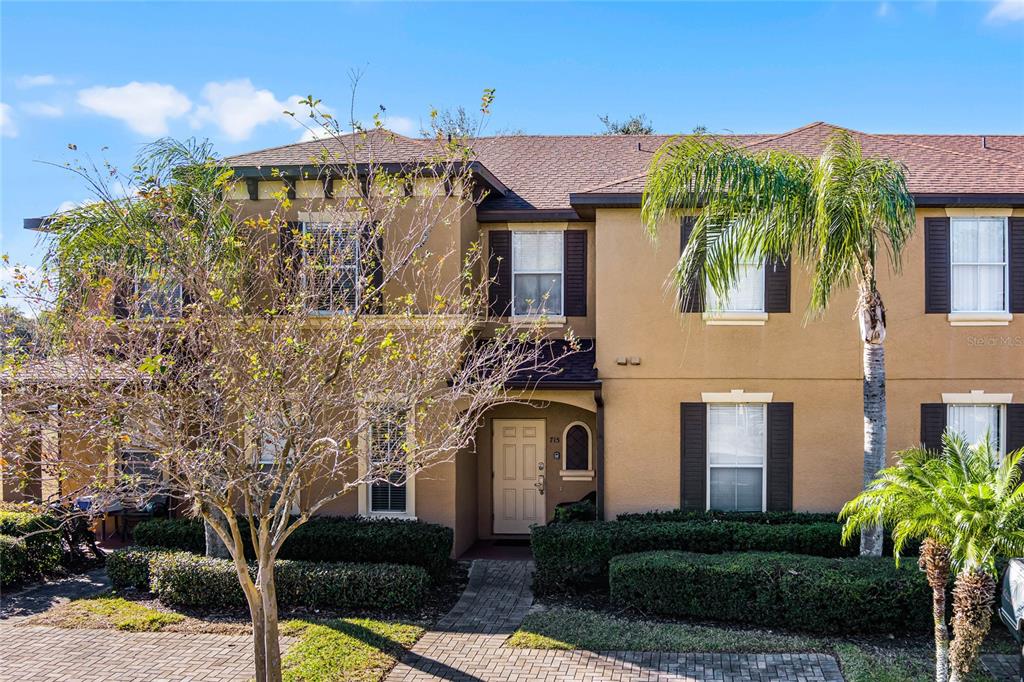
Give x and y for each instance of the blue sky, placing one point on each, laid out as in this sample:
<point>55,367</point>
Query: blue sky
<point>119,74</point>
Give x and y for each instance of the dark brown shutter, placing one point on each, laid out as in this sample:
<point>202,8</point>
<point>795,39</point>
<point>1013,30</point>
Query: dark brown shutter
<point>933,424</point>
<point>1016,261</point>
<point>575,285</point>
<point>936,265</point>
<point>693,447</point>
<point>1014,427</point>
<point>373,242</point>
<point>291,257</point>
<point>499,272</point>
<point>691,296</point>
<point>777,285</point>
<point>779,469</point>
<point>120,302</point>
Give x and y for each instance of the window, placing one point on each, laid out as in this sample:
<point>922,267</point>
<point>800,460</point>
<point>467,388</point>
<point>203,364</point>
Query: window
<point>746,294</point>
<point>157,298</point>
<point>737,443</point>
<point>974,422</point>
<point>333,255</point>
<point>537,269</point>
<point>978,259</point>
<point>388,439</point>
<point>577,457</point>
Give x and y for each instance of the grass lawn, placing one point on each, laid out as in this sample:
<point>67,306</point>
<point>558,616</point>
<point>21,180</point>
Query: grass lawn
<point>562,627</point>
<point>328,650</point>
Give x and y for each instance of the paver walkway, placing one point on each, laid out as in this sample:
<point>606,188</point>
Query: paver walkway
<point>466,645</point>
<point>1002,667</point>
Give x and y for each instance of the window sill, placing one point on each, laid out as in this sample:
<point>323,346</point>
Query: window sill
<point>547,321</point>
<point>979,319</point>
<point>751,319</point>
<point>389,515</point>
<point>576,475</point>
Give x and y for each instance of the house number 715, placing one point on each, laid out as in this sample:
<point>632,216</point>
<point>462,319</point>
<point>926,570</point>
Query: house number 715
<point>554,439</point>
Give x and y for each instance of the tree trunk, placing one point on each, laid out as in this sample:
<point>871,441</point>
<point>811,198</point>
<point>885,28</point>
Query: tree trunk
<point>215,547</point>
<point>973,596</point>
<point>934,561</point>
<point>875,435</point>
<point>272,644</point>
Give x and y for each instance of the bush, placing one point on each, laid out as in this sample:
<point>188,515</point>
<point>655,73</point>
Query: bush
<point>330,539</point>
<point>186,580</point>
<point>765,518</point>
<point>186,535</point>
<point>129,567</point>
<point>42,540</point>
<point>576,555</point>
<point>815,594</point>
<point>13,560</point>
<point>584,510</point>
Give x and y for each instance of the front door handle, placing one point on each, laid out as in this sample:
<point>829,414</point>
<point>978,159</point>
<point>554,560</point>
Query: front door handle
<point>539,485</point>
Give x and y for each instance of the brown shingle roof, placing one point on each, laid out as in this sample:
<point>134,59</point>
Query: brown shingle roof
<point>541,171</point>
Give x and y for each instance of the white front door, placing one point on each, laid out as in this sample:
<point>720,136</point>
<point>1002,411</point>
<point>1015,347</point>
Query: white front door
<point>518,474</point>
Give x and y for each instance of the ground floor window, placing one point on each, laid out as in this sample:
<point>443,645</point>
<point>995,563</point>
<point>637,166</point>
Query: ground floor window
<point>388,448</point>
<point>975,422</point>
<point>737,444</point>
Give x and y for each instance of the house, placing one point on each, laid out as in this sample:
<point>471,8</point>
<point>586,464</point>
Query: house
<point>746,406</point>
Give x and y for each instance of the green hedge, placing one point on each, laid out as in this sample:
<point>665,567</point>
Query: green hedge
<point>42,538</point>
<point>184,579</point>
<point>331,539</point>
<point>129,567</point>
<point>813,594</point>
<point>766,518</point>
<point>575,555</point>
<point>13,560</point>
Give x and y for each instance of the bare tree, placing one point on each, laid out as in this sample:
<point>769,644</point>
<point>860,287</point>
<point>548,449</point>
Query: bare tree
<point>634,125</point>
<point>266,368</point>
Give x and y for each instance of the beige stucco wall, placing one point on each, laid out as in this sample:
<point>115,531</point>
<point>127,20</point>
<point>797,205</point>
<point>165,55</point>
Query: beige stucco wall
<point>816,364</point>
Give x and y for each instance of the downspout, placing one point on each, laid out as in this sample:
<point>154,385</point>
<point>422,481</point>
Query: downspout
<point>599,452</point>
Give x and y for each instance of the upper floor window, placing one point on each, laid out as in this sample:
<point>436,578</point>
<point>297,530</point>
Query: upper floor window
<point>737,450</point>
<point>746,294</point>
<point>978,259</point>
<point>157,298</point>
<point>975,422</point>
<point>537,273</point>
<point>332,264</point>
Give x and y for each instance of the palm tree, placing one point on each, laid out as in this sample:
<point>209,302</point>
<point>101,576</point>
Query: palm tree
<point>839,213</point>
<point>901,499</point>
<point>968,505</point>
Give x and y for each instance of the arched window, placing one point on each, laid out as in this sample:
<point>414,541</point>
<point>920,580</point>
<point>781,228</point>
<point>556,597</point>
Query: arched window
<point>577,459</point>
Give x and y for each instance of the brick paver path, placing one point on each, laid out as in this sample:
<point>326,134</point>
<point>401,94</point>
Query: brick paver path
<point>467,645</point>
<point>1002,667</point>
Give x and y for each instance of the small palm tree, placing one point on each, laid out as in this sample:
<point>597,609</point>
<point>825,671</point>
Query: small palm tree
<point>839,214</point>
<point>901,499</point>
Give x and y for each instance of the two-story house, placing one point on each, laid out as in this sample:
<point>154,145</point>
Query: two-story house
<point>742,404</point>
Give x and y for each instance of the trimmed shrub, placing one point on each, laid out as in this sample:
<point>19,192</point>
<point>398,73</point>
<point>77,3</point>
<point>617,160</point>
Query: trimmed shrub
<point>42,540</point>
<point>187,580</point>
<point>13,560</point>
<point>814,594</point>
<point>584,510</point>
<point>576,555</point>
<point>186,535</point>
<point>331,539</point>
<point>765,518</point>
<point>129,567</point>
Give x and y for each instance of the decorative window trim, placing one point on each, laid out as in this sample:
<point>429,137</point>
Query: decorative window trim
<point>578,474</point>
<point>364,489</point>
<point>561,275</point>
<point>735,319</point>
<point>979,319</point>
<point>979,212</point>
<point>737,395</point>
<point>977,397</point>
<point>764,457</point>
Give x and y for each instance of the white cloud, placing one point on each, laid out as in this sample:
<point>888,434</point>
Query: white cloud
<point>42,109</point>
<point>401,125</point>
<point>238,108</point>
<point>144,107</point>
<point>21,287</point>
<point>1005,11</point>
<point>36,81</point>
<point>7,126</point>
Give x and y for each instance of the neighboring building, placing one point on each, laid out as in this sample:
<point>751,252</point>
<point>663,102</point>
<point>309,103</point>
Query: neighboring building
<point>754,407</point>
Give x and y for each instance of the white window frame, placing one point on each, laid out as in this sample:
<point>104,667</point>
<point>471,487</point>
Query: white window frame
<point>516,234</point>
<point>764,453</point>
<point>365,440</point>
<point>981,399</point>
<point>336,227</point>
<point>1005,264</point>
<point>724,313</point>
<point>577,474</point>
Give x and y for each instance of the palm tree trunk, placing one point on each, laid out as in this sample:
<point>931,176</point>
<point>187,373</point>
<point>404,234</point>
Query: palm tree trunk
<point>973,596</point>
<point>934,561</point>
<point>875,435</point>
